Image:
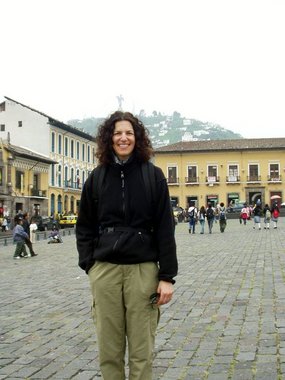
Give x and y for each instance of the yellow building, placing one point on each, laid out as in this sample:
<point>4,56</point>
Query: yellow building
<point>226,171</point>
<point>72,150</point>
<point>24,176</point>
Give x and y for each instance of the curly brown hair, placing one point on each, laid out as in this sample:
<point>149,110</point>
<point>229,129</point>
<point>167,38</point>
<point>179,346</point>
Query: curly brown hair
<point>143,147</point>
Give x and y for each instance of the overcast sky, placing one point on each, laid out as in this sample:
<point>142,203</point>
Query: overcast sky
<point>220,61</point>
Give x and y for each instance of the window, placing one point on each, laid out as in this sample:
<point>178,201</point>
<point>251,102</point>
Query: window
<point>212,173</point>
<point>72,148</point>
<point>233,173</point>
<point>59,148</point>
<point>20,124</point>
<point>59,175</point>
<point>88,153</point>
<point>274,173</point>
<point>66,176</point>
<point>2,127</point>
<point>253,172</point>
<point>53,142</point>
<point>1,176</point>
<point>192,174</point>
<point>172,174</point>
<point>52,175</point>
<point>93,156</point>
<point>19,180</point>
<point>83,152</point>
<point>77,150</point>
<point>66,146</point>
<point>36,181</point>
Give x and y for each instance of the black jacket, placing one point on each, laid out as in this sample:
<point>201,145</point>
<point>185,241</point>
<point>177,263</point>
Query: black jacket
<point>142,231</point>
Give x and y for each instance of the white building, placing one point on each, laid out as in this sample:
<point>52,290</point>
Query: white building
<point>71,148</point>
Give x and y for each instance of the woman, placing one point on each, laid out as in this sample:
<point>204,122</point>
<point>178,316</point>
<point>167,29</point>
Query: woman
<point>126,245</point>
<point>202,218</point>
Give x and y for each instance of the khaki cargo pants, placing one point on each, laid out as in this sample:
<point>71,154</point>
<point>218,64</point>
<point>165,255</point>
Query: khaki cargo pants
<point>123,314</point>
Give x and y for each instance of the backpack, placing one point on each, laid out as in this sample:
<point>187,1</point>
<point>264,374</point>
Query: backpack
<point>223,214</point>
<point>147,169</point>
<point>267,214</point>
<point>210,213</point>
<point>192,213</point>
<point>275,213</point>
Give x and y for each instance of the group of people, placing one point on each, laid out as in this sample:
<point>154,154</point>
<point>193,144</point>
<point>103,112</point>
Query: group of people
<point>210,214</point>
<point>257,212</point>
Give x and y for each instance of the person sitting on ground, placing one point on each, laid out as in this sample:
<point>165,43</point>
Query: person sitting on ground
<point>54,236</point>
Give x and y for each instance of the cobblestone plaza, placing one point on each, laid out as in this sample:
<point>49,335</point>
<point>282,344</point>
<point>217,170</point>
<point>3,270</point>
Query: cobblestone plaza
<point>226,320</point>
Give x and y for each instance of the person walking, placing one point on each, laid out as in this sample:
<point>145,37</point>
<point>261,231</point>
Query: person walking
<point>33,228</point>
<point>267,216</point>
<point>257,212</point>
<point>19,238</point>
<point>244,214</point>
<point>202,217</point>
<point>127,247</point>
<point>210,217</point>
<point>222,217</point>
<point>275,214</point>
<point>26,226</point>
<point>192,213</point>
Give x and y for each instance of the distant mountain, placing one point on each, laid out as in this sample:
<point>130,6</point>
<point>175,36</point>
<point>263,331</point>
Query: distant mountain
<point>165,130</point>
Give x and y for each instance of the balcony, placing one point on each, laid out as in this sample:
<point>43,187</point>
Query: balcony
<point>253,178</point>
<point>173,181</point>
<point>274,178</point>
<point>211,180</point>
<point>231,179</point>
<point>192,180</point>
<point>72,185</point>
<point>38,193</point>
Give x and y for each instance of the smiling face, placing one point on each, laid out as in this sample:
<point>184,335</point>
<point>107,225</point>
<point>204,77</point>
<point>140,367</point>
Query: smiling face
<point>123,139</point>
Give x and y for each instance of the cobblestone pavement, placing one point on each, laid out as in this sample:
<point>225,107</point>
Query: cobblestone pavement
<point>226,321</point>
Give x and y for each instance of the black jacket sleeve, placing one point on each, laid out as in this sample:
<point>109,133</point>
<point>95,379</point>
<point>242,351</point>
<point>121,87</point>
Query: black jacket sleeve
<point>87,225</point>
<point>165,231</point>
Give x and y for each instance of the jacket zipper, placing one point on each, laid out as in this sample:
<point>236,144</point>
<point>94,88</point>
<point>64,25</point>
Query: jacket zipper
<point>123,191</point>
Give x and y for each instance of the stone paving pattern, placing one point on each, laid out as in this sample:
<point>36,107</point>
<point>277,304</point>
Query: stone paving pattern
<point>226,321</point>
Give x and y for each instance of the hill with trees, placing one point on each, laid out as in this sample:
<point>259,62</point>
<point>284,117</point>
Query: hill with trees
<point>165,130</point>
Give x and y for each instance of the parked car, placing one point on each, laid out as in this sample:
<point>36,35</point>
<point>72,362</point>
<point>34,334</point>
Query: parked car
<point>178,213</point>
<point>68,221</point>
<point>236,207</point>
<point>44,223</point>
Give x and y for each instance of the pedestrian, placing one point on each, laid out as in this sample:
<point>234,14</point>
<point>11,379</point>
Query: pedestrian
<point>26,226</point>
<point>4,224</point>
<point>222,217</point>
<point>126,245</point>
<point>192,213</point>
<point>244,214</point>
<point>210,217</point>
<point>257,213</point>
<point>33,228</point>
<point>19,237</point>
<point>202,217</point>
<point>275,214</point>
<point>267,216</point>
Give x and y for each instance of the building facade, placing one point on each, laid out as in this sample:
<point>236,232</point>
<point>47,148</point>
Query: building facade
<point>228,171</point>
<point>72,149</point>
<point>23,181</point>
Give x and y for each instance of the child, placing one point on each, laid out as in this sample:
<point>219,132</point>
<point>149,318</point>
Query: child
<point>19,237</point>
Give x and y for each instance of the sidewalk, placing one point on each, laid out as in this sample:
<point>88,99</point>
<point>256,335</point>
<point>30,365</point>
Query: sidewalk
<point>226,321</point>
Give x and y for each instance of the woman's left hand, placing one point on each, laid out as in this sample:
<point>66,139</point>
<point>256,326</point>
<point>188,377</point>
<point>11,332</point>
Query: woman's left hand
<point>165,290</point>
